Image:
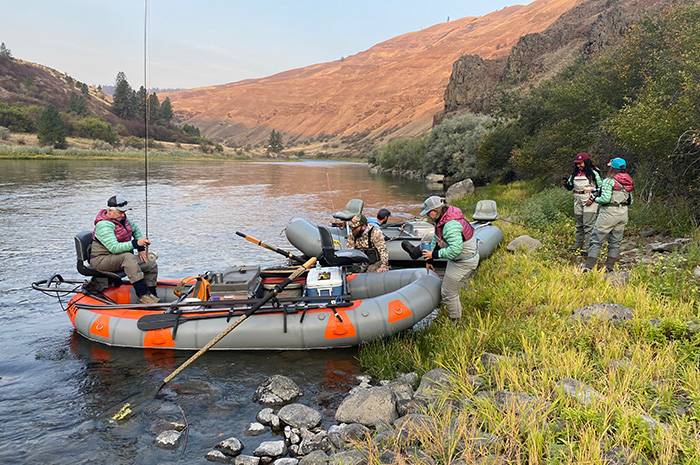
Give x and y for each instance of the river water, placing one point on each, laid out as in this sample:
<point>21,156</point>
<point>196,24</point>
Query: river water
<point>54,384</point>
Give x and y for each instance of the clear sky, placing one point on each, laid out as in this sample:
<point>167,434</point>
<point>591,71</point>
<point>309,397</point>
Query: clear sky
<point>198,43</point>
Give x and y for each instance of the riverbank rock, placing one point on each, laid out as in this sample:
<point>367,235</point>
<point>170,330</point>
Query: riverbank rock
<point>582,392</point>
<point>299,416</point>
<point>525,242</point>
<point>606,312</point>
<point>459,190</point>
<point>169,439</point>
<point>277,390</point>
<point>368,406</point>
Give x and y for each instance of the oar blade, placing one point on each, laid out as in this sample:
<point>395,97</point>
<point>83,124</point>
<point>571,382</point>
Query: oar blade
<point>157,321</point>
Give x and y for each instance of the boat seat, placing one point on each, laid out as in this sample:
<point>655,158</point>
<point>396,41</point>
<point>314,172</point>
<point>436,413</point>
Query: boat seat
<point>485,211</point>
<point>353,207</point>
<point>83,245</point>
<point>332,257</point>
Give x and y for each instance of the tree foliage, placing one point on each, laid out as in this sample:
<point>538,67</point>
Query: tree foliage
<point>153,109</point>
<point>51,130</point>
<point>4,51</point>
<point>17,118</point>
<point>401,154</point>
<point>274,143</point>
<point>450,148</point>
<point>77,105</point>
<point>94,128</point>
<point>166,111</point>
<point>124,98</point>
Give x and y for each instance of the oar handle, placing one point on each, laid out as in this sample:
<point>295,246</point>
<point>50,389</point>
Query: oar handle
<point>240,320</point>
<point>255,241</point>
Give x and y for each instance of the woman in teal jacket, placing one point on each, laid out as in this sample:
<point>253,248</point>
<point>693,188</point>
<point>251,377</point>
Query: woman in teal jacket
<point>616,193</point>
<point>454,240</point>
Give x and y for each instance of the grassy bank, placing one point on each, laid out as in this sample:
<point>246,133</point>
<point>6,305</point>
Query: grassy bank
<point>519,307</point>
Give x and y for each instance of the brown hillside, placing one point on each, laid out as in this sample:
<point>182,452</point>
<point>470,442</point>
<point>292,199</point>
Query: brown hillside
<point>390,90</point>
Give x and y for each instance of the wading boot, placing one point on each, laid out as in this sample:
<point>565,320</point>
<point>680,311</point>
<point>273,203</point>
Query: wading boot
<point>142,293</point>
<point>412,250</point>
<point>590,264</point>
<point>610,263</point>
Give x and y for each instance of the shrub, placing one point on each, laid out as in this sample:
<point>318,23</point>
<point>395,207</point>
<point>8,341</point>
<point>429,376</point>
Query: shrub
<point>94,128</point>
<point>450,148</point>
<point>401,154</point>
<point>4,133</point>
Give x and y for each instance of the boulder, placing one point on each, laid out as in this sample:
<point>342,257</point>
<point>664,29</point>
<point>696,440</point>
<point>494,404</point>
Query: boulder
<point>368,406</point>
<point>299,416</point>
<point>277,390</point>
<point>525,242</point>
<point>459,190</point>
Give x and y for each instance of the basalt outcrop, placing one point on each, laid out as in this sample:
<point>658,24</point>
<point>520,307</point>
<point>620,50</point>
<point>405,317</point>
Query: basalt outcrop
<point>586,29</point>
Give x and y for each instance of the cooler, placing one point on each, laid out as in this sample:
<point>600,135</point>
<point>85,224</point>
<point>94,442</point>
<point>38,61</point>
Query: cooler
<point>239,282</point>
<point>327,281</point>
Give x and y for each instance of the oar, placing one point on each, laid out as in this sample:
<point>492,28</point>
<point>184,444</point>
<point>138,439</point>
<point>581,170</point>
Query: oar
<point>289,255</point>
<point>128,408</point>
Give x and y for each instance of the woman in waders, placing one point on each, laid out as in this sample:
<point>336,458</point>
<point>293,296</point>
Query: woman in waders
<point>584,181</point>
<point>616,193</point>
<point>454,240</point>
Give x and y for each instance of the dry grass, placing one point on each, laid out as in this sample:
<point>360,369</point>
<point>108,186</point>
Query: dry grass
<point>519,306</point>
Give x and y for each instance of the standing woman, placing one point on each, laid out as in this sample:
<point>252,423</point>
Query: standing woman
<point>616,194</point>
<point>454,240</point>
<point>584,181</point>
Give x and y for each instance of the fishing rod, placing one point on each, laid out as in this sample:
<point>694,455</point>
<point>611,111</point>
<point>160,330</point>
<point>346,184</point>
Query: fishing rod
<point>146,19</point>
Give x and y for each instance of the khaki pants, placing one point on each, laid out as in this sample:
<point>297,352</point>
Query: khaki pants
<point>611,224</point>
<point>585,220</point>
<point>457,274</point>
<point>134,268</point>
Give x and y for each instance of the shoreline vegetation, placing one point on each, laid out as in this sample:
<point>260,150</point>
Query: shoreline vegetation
<point>26,146</point>
<point>644,373</point>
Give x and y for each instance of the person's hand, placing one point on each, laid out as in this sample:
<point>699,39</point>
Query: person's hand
<point>381,270</point>
<point>143,242</point>
<point>143,256</point>
<point>429,267</point>
<point>427,254</point>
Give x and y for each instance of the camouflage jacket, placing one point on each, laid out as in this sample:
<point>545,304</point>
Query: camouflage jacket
<point>363,243</point>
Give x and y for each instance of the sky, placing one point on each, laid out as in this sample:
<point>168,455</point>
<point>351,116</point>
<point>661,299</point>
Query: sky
<point>210,42</point>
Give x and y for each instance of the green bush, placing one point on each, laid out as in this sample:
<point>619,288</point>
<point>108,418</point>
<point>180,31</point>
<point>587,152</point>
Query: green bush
<point>94,128</point>
<point>17,118</point>
<point>450,148</point>
<point>401,154</point>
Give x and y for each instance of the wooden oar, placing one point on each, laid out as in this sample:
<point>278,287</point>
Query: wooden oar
<point>255,241</point>
<point>128,408</point>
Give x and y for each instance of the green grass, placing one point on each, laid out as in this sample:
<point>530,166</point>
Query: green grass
<point>519,306</point>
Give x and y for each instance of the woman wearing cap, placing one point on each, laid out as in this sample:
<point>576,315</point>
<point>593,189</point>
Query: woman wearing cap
<point>616,193</point>
<point>584,181</point>
<point>113,241</point>
<point>455,241</point>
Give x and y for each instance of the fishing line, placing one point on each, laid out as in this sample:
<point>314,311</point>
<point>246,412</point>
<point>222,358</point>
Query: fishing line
<point>328,180</point>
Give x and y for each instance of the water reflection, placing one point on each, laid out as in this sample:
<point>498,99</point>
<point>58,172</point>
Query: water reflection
<point>53,382</point>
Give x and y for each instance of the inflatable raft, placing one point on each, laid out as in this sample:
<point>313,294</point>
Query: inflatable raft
<point>364,307</point>
<point>321,308</point>
<point>305,236</point>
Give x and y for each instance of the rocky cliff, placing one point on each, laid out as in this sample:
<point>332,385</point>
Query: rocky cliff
<point>390,90</point>
<point>585,29</point>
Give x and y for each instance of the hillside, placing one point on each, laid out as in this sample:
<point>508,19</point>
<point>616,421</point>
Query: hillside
<point>390,90</point>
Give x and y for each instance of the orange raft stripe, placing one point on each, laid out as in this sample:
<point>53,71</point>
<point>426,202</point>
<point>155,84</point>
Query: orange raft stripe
<point>159,338</point>
<point>398,311</point>
<point>100,327</point>
<point>338,330</point>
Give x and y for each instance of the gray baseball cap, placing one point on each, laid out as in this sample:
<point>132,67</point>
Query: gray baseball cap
<point>118,202</point>
<point>431,203</point>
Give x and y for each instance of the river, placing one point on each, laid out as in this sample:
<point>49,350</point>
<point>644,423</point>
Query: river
<point>54,384</point>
